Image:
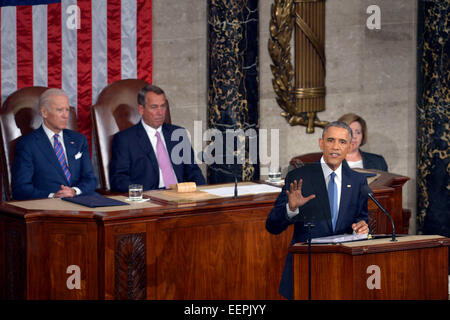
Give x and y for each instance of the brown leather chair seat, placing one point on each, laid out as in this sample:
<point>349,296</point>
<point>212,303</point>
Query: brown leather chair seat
<point>300,160</point>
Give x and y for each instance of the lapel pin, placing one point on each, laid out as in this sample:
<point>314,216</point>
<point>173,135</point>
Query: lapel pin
<point>71,142</point>
<point>349,186</point>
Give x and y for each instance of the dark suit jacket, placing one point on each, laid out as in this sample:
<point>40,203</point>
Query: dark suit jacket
<point>373,161</point>
<point>352,208</point>
<point>134,160</point>
<point>37,173</point>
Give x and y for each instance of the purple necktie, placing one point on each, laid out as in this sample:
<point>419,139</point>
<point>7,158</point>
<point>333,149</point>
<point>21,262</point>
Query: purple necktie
<point>164,162</point>
<point>61,158</point>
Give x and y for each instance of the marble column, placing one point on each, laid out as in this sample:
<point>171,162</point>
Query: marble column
<point>233,89</point>
<point>433,107</point>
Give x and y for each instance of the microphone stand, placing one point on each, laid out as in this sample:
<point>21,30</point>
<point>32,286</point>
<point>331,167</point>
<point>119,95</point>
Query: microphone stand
<point>309,225</point>
<point>235,180</point>
<point>370,194</point>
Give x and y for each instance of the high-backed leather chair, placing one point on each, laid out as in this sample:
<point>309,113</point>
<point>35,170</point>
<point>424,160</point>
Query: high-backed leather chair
<point>115,110</point>
<point>19,116</point>
<point>300,160</point>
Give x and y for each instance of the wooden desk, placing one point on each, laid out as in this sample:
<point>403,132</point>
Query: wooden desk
<point>213,249</point>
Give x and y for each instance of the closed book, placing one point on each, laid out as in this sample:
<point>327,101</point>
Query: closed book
<point>95,200</point>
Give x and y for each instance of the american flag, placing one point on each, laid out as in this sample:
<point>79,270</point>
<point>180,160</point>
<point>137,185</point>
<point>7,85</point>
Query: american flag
<point>79,46</point>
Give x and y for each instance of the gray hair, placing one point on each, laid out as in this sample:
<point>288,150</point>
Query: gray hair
<point>149,88</point>
<point>338,124</point>
<point>44,98</point>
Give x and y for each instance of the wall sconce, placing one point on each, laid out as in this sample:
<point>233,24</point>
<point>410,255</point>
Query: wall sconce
<point>300,94</point>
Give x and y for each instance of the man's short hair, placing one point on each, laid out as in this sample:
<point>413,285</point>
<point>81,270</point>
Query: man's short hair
<point>44,98</point>
<point>149,88</point>
<point>338,124</point>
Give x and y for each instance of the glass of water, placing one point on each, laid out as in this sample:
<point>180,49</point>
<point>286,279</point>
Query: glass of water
<point>135,192</point>
<point>275,176</point>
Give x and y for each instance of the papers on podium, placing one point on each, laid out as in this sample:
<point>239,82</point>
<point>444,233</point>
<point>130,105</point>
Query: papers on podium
<point>340,238</point>
<point>243,190</point>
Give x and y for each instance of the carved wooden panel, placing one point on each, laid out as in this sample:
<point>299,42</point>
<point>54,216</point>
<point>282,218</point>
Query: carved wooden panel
<point>129,265</point>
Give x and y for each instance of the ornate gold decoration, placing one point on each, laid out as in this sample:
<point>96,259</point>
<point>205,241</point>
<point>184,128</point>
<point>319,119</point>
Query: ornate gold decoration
<point>300,101</point>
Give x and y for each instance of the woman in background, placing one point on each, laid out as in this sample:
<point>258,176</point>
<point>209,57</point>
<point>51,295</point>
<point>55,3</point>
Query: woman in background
<point>357,158</point>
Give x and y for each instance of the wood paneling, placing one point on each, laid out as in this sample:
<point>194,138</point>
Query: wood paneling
<point>415,269</point>
<point>387,190</point>
<point>14,267</point>
<point>219,256</point>
<point>211,249</point>
<point>53,246</point>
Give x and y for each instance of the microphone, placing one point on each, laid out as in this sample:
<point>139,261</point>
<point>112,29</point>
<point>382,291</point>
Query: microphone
<point>226,171</point>
<point>369,192</point>
<point>235,187</point>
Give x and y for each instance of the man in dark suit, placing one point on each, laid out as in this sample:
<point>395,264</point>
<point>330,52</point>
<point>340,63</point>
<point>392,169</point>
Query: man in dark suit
<point>146,154</point>
<point>328,193</point>
<point>52,161</point>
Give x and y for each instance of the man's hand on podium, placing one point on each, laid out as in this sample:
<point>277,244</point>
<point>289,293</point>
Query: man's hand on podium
<point>360,227</point>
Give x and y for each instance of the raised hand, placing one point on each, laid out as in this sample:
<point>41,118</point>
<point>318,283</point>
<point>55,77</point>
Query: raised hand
<point>295,196</point>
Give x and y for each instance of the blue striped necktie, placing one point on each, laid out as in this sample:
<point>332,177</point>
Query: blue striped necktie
<point>332,197</point>
<point>61,157</point>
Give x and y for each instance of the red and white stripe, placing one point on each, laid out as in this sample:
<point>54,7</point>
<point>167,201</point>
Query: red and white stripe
<point>38,48</point>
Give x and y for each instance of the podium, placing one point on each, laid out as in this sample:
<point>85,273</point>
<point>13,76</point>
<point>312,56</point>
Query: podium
<point>387,188</point>
<point>414,267</point>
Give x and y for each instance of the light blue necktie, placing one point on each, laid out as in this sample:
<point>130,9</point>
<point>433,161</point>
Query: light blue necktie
<point>333,197</point>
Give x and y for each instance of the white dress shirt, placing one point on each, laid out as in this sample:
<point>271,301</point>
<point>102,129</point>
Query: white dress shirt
<point>326,170</point>
<point>51,136</point>
<point>151,133</point>
<point>355,164</point>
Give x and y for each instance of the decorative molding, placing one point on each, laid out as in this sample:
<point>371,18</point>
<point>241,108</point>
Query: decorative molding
<point>300,101</point>
<point>129,267</point>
